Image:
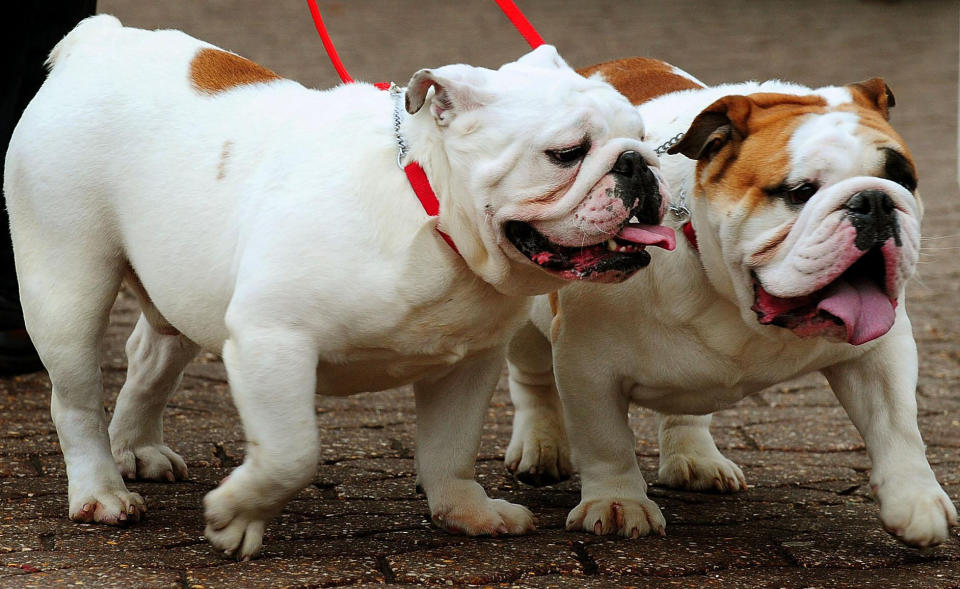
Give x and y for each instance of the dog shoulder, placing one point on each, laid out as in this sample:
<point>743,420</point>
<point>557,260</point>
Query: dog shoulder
<point>641,79</point>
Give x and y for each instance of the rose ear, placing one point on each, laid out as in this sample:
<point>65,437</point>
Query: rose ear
<point>455,88</point>
<point>717,124</point>
<point>544,56</point>
<point>874,93</point>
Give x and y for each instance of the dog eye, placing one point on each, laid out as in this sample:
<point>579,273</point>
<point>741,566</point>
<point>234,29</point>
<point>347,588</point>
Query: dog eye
<point>569,155</point>
<point>801,193</point>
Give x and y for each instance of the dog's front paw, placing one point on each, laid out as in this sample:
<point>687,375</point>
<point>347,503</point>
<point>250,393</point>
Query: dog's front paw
<point>116,507</point>
<point>151,462</point>
<point>539,453</point>
<point>495,517</point>
<point>701,472</point>
<point>631,518</point>
<point>464,508</point>
<point>918,515</point>
<point>232,528</point>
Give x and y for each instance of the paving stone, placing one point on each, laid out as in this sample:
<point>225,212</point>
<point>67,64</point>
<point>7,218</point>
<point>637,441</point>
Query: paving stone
<point>488,560</point>
<point>859,545</point>
<point>287,572</point>
<point>686,551</point>
<point>836,436</point>
<point>106,577</point>
<point>906,577</point>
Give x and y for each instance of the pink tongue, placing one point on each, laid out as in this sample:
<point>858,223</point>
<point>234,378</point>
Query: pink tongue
<point>656,235</point>
<point>865,310</point>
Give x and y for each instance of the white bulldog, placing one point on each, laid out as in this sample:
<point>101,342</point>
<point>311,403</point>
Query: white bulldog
<point>805,210</point>
<point>269,222</point>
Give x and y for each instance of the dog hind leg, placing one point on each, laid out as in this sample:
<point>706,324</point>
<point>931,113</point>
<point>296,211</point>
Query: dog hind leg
<point>689,458</point>
<point>67,293</point>
<point>155,363</point>
<point>539,453</point>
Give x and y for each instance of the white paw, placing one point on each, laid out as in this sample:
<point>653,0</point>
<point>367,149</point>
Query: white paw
<point>470,512</point>
<point>630,518</point>
<point>235,531</point>
<point>152,462</point>
<point>701,472</point>
<point>918,515</point>
<point>539,453</point>
<point>116,507</point>
<point>495,518</point>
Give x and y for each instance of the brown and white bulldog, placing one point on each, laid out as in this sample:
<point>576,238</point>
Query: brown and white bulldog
<point>802,226</point>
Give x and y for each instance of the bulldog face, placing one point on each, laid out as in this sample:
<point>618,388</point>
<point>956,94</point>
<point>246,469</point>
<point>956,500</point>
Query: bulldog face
<point>546,171</point>
<point>812,201</point>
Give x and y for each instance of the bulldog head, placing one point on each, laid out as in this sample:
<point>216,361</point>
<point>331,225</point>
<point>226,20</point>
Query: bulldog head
<point>809,203</point>
<point>539,172</point>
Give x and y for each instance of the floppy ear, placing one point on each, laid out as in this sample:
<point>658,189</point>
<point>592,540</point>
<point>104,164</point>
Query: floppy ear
<point>874,93</point>
<point>455,88</point>
<point>717,124</point>
<point>544,56</point>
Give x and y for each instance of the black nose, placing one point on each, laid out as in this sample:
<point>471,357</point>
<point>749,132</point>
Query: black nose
<point>873,215</point>
<point>628,163</point>
<point>637,187</point>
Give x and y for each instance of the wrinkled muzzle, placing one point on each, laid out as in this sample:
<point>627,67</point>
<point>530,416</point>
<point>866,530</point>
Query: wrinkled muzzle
<point>605,237</point>
<point>845,266</point>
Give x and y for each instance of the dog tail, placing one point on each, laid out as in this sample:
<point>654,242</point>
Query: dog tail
<point>91,27</point>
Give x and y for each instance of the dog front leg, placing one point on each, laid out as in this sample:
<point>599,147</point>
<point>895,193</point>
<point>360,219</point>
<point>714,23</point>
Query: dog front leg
<point>613,493</point>
<point>689,458</point>
<point>878,390</point>
<point>273,376</point>
<point>450,412</point>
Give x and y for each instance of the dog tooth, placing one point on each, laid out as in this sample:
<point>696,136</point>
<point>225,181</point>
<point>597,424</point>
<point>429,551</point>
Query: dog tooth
<point>612,245</point>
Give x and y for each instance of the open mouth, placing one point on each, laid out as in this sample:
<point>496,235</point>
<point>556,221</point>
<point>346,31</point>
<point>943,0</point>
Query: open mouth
<point>612,260</point>
<point>856,307</point>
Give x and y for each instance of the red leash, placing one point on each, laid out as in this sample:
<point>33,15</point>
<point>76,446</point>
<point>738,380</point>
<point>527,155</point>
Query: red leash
<point>328,43</point>
<point>415,174</point>
<point>523,25</point>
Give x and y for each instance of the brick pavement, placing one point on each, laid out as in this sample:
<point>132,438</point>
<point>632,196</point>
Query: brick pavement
<point>806,519</point>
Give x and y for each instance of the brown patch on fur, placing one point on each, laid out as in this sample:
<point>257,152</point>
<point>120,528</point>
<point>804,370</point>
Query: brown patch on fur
<point>756,155</point>
<point>771,247</point>
<point>641,79</point>
<point>554,299</point>
<point>224,158</point>
<point>213,70</point>
<point>873,94</point>
<point>154,318</point>
<point>758,129</point>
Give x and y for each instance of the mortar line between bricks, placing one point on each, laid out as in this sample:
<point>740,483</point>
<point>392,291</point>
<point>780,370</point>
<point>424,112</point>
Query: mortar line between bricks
<point>750,441</point>
<point>583,557</point>
<point>384,565</point>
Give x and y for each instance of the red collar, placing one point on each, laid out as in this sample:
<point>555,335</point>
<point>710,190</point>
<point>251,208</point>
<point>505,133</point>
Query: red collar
<point>428,199</point>
<point>421,187</point>
<point>691,235</point>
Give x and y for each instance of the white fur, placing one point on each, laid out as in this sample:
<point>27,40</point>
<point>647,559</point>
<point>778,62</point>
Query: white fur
<point>680,338</point>
<point>271,223</point>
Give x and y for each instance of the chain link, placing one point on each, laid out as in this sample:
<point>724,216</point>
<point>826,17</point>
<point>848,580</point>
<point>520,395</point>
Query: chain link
<point>669,143</point>
<point>397,93</point>
<point>677,209</point>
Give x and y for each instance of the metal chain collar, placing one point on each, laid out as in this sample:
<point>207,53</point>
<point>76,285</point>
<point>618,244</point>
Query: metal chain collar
<point>678,209</point>
<point>669,143</point>
<point>397,93</point>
